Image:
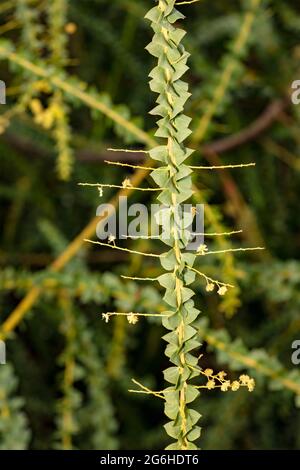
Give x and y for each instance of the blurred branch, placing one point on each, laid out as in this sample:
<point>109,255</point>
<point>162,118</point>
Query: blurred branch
<point>226,74</point>
<point>65,84</point>
<point>8,5</point>
<point>283,154</point>
<point>254,130</point>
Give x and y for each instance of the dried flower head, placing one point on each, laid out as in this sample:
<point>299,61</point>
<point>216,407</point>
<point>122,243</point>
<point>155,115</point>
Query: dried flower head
<point>209,287</point>
<point>222,290</point>
<point>235,385</point>
<point>202,249</point>
<point>126,183</point>
<point>132,318</point>
<point>244,379</point>
<point>111,239</point>
<point>225,386</point>
<point>221,375</point>
<point>210,384</point>
<point>105,317</point>
<point>251,385</point>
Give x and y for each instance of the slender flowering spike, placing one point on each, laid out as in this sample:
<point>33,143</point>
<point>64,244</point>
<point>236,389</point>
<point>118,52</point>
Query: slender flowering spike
<point>174,177</point>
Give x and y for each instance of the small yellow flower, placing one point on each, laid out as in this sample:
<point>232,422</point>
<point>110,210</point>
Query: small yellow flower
<point>222,290</point>
<point>251,385</point>
<point>132,318</point>
<point>210,384</point>
<point>235,385</point>
<point>105,317</point>
<point>208,372</point>
<point>100,189</point>
<point>210,287</point>
<point>111,239</point>
<point>244,379</point>
<point>126,183</point>
<point>225,386</point>
<point>202,249</point>
<point>222,374</point>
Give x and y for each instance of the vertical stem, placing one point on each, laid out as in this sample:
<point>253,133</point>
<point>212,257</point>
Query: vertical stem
<point>174,177</point>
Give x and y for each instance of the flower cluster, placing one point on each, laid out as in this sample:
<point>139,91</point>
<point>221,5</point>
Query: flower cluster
<point>220,380</point>
<point>210,286</point>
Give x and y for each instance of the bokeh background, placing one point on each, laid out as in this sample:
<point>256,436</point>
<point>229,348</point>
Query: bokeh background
<point>77,83</point>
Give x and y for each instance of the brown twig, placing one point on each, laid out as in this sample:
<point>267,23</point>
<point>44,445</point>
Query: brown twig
<point>252,132</point>
<point>271,114</point>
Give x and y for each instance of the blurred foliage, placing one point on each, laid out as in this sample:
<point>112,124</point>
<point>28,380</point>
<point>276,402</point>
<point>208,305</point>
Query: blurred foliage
<point>76,85</point>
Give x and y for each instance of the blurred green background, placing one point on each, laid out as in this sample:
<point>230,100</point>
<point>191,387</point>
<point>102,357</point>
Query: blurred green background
<point>77,83</point>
